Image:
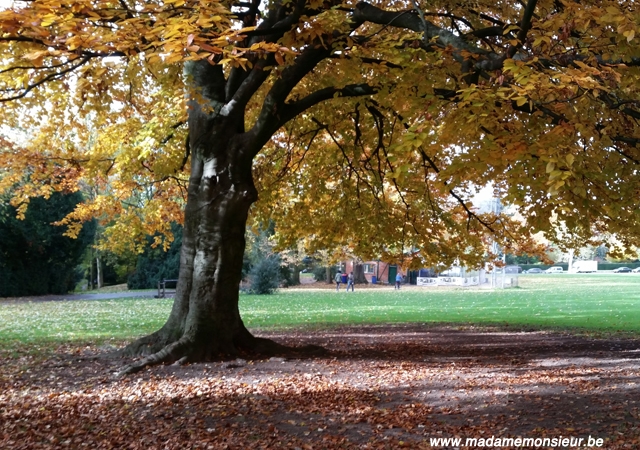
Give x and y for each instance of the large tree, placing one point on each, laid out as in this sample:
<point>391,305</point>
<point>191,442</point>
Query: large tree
<point>368,124</point>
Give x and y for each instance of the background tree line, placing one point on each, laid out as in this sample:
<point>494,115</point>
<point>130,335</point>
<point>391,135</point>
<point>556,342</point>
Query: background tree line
<point>35,257</point>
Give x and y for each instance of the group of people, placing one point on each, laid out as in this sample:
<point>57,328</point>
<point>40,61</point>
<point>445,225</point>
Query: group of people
<point>350,281</point>
<point>338,280</point>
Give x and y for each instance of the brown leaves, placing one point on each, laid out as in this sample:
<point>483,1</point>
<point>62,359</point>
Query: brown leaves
<point>387,387</point>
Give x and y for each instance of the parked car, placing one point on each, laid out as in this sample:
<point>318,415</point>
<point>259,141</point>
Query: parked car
<point>554,269</point>
<point>622,270</point>
<point>512,269</point>
<point>636,270</point>
<point>533,270</point>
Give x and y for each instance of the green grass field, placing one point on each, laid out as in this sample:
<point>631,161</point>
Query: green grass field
<point>591,303</point>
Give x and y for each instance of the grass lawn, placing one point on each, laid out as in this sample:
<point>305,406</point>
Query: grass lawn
<point>593,303</point>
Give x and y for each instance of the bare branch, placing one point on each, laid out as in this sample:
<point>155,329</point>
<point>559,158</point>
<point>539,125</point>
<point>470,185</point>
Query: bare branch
<point>460,200</point>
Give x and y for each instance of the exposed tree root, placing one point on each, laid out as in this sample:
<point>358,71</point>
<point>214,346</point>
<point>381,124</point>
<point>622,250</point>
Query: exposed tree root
<point>146,345</point>
<point>169,354</point>
<point>186,350</point>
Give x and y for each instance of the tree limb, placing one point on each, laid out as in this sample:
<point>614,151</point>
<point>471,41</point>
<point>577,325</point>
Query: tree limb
<point>525,25</point>
<point>353,90</point>
<point>46,79</point>
<point>460,200</point>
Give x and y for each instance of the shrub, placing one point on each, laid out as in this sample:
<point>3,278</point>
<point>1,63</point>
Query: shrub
<point>265,275</point>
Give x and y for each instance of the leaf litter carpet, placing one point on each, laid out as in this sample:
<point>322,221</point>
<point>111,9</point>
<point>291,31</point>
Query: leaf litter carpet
<point>377,387</point>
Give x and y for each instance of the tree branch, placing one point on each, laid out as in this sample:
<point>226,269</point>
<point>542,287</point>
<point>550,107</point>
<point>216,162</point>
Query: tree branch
<point>236,90</point>
<point>269,118</point>
<point>353,90</point>
<point>460,200</point>
<point>486,32</point>
<point>369,61</point>
<point>365,12</point>
<point>525,25</point>
<point>50,77</point>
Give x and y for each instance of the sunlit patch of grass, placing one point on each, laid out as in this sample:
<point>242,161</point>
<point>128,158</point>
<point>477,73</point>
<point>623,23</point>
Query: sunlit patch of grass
<point>589,302</point>
<point>598,303</point>
<point>95,321</point>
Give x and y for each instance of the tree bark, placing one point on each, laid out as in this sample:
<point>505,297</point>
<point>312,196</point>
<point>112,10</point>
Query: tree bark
<point>205,322</point>
<point>99,276</point>
<point>92,273</point>
<point>358,274</point>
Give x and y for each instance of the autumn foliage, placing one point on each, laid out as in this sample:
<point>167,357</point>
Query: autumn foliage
<point>539,101</point>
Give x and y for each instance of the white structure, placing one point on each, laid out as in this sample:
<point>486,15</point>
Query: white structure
<point>461,277</point>
<point>584,267</point>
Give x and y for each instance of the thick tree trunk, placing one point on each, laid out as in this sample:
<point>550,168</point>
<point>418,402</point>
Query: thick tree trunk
<point>205,321</point>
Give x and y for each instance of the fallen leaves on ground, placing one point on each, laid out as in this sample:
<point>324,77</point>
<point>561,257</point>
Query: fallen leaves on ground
<point>379,387</point>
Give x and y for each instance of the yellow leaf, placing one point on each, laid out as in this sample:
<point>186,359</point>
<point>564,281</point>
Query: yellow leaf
<point>570,159</point>
<point>630,35</point>
<point>520,101</point>
<point>48,19</point>
<point>555,174</point>
<point>210,48</point>
<point>511,28</point>
<point>204,22</point>
<point>551,165</point>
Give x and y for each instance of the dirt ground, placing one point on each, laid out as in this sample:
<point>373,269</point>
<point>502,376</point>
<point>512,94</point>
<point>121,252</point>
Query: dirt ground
<point>378,387</point>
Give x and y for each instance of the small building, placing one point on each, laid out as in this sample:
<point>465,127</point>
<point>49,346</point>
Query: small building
<point>377,272</point>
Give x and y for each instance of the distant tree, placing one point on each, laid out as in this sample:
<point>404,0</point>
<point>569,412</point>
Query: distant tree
<point>35,257</point>
<point>267,268</point>
<point>358,274</point>
<point>117,268</point>
<point>601,252</point>
<point>521,259</point>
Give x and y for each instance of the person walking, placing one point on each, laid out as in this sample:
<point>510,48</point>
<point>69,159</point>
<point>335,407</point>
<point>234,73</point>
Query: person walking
<point>398,280</point>
<point>350,282</point>
<point>338,280</point>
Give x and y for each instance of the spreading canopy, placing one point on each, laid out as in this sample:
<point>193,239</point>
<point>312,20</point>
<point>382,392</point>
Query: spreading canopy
<point>393,116</point>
